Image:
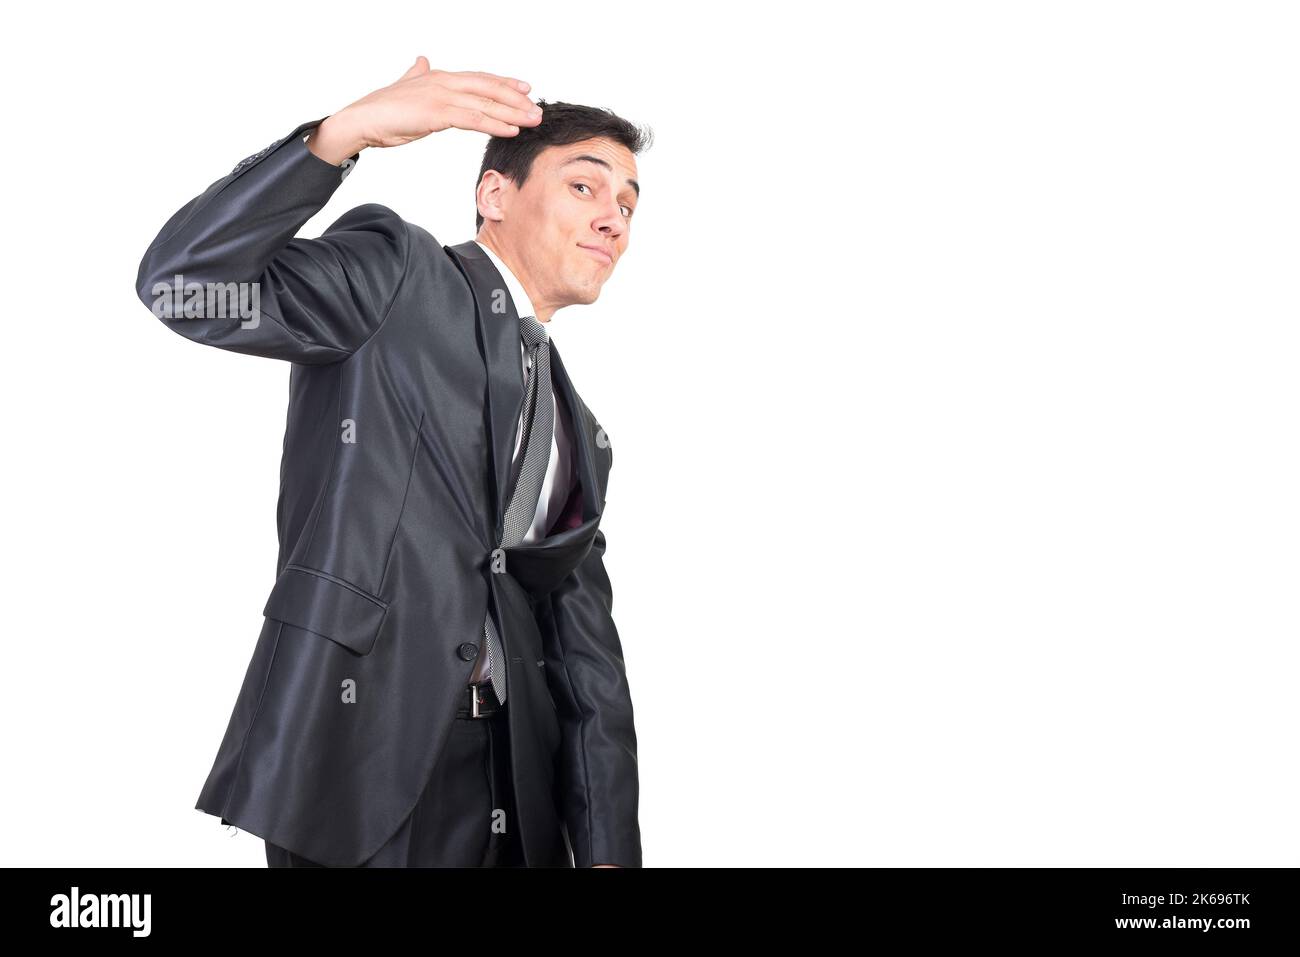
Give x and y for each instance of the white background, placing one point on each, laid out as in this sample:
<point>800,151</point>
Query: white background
<point>952,372</point>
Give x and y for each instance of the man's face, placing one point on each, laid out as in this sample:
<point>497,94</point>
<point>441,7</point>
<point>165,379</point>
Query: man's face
<point>569,225</point>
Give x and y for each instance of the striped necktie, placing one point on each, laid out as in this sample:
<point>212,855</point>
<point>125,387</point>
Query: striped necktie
<point>539,429</point>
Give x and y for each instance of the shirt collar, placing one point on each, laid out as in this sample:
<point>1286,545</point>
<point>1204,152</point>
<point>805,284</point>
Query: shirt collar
<point>523,305</point>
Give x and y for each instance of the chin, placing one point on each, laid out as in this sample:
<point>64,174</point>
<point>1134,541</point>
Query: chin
<point>583,295</point>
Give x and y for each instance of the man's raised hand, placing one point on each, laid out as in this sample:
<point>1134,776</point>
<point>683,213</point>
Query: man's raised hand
<point>424,101</point>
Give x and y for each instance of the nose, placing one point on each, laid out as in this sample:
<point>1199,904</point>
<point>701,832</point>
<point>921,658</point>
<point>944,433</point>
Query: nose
<point>611,223</point>
<point>611,227</point>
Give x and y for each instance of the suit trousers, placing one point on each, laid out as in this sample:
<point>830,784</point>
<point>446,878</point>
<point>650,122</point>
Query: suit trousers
<point>455,821</point>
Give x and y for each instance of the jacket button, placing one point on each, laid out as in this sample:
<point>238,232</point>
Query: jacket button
<point>468,651</point>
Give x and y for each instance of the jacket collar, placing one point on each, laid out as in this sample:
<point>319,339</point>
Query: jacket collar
<point>518,295</point>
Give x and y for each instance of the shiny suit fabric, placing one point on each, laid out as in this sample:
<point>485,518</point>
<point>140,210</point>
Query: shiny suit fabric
<point>387,564</point>
<point>469,785</point>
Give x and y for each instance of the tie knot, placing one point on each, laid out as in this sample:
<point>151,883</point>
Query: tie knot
<point>534,332</point>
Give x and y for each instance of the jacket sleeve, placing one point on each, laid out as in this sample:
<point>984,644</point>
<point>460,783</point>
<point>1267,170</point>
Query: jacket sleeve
<point>227,271</point>
<point>598,784</point>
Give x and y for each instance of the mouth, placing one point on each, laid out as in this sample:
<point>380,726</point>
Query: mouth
<point>599,253</point>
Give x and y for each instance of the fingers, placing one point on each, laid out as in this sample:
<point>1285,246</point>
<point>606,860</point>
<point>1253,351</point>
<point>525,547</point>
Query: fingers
<point>420,67</point>
<point>496,89</point>
<point>520,85</point>
<point>470,113</point>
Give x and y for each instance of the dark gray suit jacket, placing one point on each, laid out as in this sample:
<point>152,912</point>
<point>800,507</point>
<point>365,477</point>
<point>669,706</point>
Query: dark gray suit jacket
<point>386,564</point>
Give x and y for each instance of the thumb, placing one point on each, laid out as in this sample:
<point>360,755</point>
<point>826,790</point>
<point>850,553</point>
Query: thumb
<point>419,68</point>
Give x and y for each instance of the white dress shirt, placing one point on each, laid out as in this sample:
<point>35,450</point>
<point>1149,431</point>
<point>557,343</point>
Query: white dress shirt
<point>559,471</point>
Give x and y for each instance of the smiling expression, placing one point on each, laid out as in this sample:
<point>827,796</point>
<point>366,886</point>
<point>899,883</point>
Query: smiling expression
<point>565,230</point>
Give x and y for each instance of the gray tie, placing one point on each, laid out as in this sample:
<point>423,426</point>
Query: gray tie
<point>538,430</point>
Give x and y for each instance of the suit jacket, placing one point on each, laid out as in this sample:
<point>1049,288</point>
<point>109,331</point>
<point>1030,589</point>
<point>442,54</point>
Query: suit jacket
<point>405,394</point>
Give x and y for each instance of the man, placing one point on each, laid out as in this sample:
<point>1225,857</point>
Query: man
<point>438,680</point>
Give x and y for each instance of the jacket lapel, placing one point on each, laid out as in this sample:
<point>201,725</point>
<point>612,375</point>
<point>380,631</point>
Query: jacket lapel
<point>498,329</point>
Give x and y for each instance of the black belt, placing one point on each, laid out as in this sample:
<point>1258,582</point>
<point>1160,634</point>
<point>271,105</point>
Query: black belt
<point>479,701</point>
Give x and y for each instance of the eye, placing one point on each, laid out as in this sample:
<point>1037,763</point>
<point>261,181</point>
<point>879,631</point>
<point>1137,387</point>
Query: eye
<point>627,209</point>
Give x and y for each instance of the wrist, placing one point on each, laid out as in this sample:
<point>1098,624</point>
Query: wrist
<point>336,139</point>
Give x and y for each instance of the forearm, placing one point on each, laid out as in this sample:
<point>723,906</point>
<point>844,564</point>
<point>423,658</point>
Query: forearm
<point>302,300</point>
<point>232,230</point>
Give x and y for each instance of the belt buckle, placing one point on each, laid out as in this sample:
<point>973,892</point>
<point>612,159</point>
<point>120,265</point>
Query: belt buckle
<point>474,699</point>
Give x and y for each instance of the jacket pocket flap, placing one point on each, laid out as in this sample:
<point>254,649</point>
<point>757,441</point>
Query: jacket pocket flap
<point>328,606</point>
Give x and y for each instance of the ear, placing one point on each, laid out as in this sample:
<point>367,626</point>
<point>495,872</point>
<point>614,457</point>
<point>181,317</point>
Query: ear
<point>492,196</point>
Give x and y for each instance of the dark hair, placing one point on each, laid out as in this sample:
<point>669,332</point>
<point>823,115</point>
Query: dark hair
<point>562,123</point>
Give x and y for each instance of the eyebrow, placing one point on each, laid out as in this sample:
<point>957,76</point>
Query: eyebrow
<point>584,158</point>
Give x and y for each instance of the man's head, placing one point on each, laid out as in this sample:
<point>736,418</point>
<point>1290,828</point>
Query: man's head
<point>550,195</point>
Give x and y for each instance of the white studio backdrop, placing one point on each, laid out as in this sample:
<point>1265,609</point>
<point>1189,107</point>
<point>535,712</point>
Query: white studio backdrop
<point>952,373</point>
